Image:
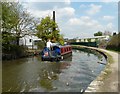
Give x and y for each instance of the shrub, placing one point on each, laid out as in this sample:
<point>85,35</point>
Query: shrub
<point>40,44</point>
<point>114,43</point>
<point>15,50</point>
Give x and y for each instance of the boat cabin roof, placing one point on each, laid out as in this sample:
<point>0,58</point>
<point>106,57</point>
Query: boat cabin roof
<point>60,46</point>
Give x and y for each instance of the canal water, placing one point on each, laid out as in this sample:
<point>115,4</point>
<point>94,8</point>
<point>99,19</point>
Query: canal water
<point>33,75</point>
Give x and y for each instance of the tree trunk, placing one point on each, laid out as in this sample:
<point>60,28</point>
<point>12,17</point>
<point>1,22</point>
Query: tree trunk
<point>17,40</point>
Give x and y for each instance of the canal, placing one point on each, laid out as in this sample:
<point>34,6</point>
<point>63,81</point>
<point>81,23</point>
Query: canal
<point>71,75</point>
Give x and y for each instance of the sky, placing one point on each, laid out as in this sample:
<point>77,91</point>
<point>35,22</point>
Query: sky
<point>77,19</point>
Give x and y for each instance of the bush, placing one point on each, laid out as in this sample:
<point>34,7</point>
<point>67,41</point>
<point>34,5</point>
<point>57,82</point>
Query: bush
<point>40,44</point>
<point>18,51</point>
<point>114,43</point>
<point>15,50</point>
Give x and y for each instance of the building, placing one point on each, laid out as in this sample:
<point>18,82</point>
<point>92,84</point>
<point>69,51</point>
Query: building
<point>93,39</point>
<point>29,41</point>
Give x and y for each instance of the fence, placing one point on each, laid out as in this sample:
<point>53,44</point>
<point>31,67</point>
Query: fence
<point>92,44</point>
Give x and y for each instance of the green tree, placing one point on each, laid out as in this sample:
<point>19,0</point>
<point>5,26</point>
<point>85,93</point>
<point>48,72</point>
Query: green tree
<point>99,33</point>
<point>48,29</point>
<point>61,39</point>
<point>114,43</point>
<point>89,40</point>
<point>7,22</point>
<point>16,21</point>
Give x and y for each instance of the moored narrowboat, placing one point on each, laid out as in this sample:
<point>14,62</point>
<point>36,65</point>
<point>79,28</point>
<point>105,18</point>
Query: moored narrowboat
<point>56,53</point>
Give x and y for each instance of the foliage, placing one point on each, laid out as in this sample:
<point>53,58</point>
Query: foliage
<point>7,22</point>
<point>40,44</point>
<point>7,38</point>
<point>16,21</point>
<point>89,40</point>
<point>102,44</point>
<point>48,29</point>
<point>61,39</point>
<point>72,40</point>
<point>114,43</point>
<point>15,50</point>
<point>99,33</point>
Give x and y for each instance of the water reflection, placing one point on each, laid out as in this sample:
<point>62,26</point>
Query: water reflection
<point>33,75</point>
<point>89,52</point>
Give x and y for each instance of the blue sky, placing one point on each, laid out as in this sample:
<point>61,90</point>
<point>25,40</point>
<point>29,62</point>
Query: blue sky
<point>78,19</point>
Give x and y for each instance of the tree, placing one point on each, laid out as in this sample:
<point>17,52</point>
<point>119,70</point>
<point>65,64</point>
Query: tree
<point>16,21</point>
<point>61,39</point>
<point>107,33</point>
<point>7,22</point>
<point>99,33</point>
<point>89,40</point>
<point>46,30</point>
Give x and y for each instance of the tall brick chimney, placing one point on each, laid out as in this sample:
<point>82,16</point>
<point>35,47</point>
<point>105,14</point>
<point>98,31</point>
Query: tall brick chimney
<point>53,15</point>
<point>54,19</point>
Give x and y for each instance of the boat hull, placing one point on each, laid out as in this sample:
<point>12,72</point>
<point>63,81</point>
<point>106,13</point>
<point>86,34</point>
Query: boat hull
<point>57,53</point>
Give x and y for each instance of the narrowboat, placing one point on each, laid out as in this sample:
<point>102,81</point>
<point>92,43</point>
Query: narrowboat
<point>56,53</point>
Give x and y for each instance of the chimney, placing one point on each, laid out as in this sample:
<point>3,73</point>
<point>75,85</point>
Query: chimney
<point>54,20</point>
<point>53,15</point>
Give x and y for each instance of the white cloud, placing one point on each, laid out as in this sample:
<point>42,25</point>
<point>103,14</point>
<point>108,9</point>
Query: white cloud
<point>82,27</point>
<point>85,26</point>
<point>69,23</point>
<point>68,2</point>
<point>109,26</point>
<point>107,1</point>
<point>85,21</point>
<point>94,9</point>
<point>74,21</point>
<point>108,18</point>
<point>60,12</point>
<point>65,1</point>
<point>65,12</point>
<point>40,14</point>
<point>31,0</point>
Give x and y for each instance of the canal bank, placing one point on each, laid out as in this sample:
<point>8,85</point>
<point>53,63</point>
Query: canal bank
<point>27,53</point>
<point>107,81</point>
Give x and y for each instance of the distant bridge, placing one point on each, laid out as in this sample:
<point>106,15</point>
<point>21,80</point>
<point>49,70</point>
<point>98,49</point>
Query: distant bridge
<point>92,44</point>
